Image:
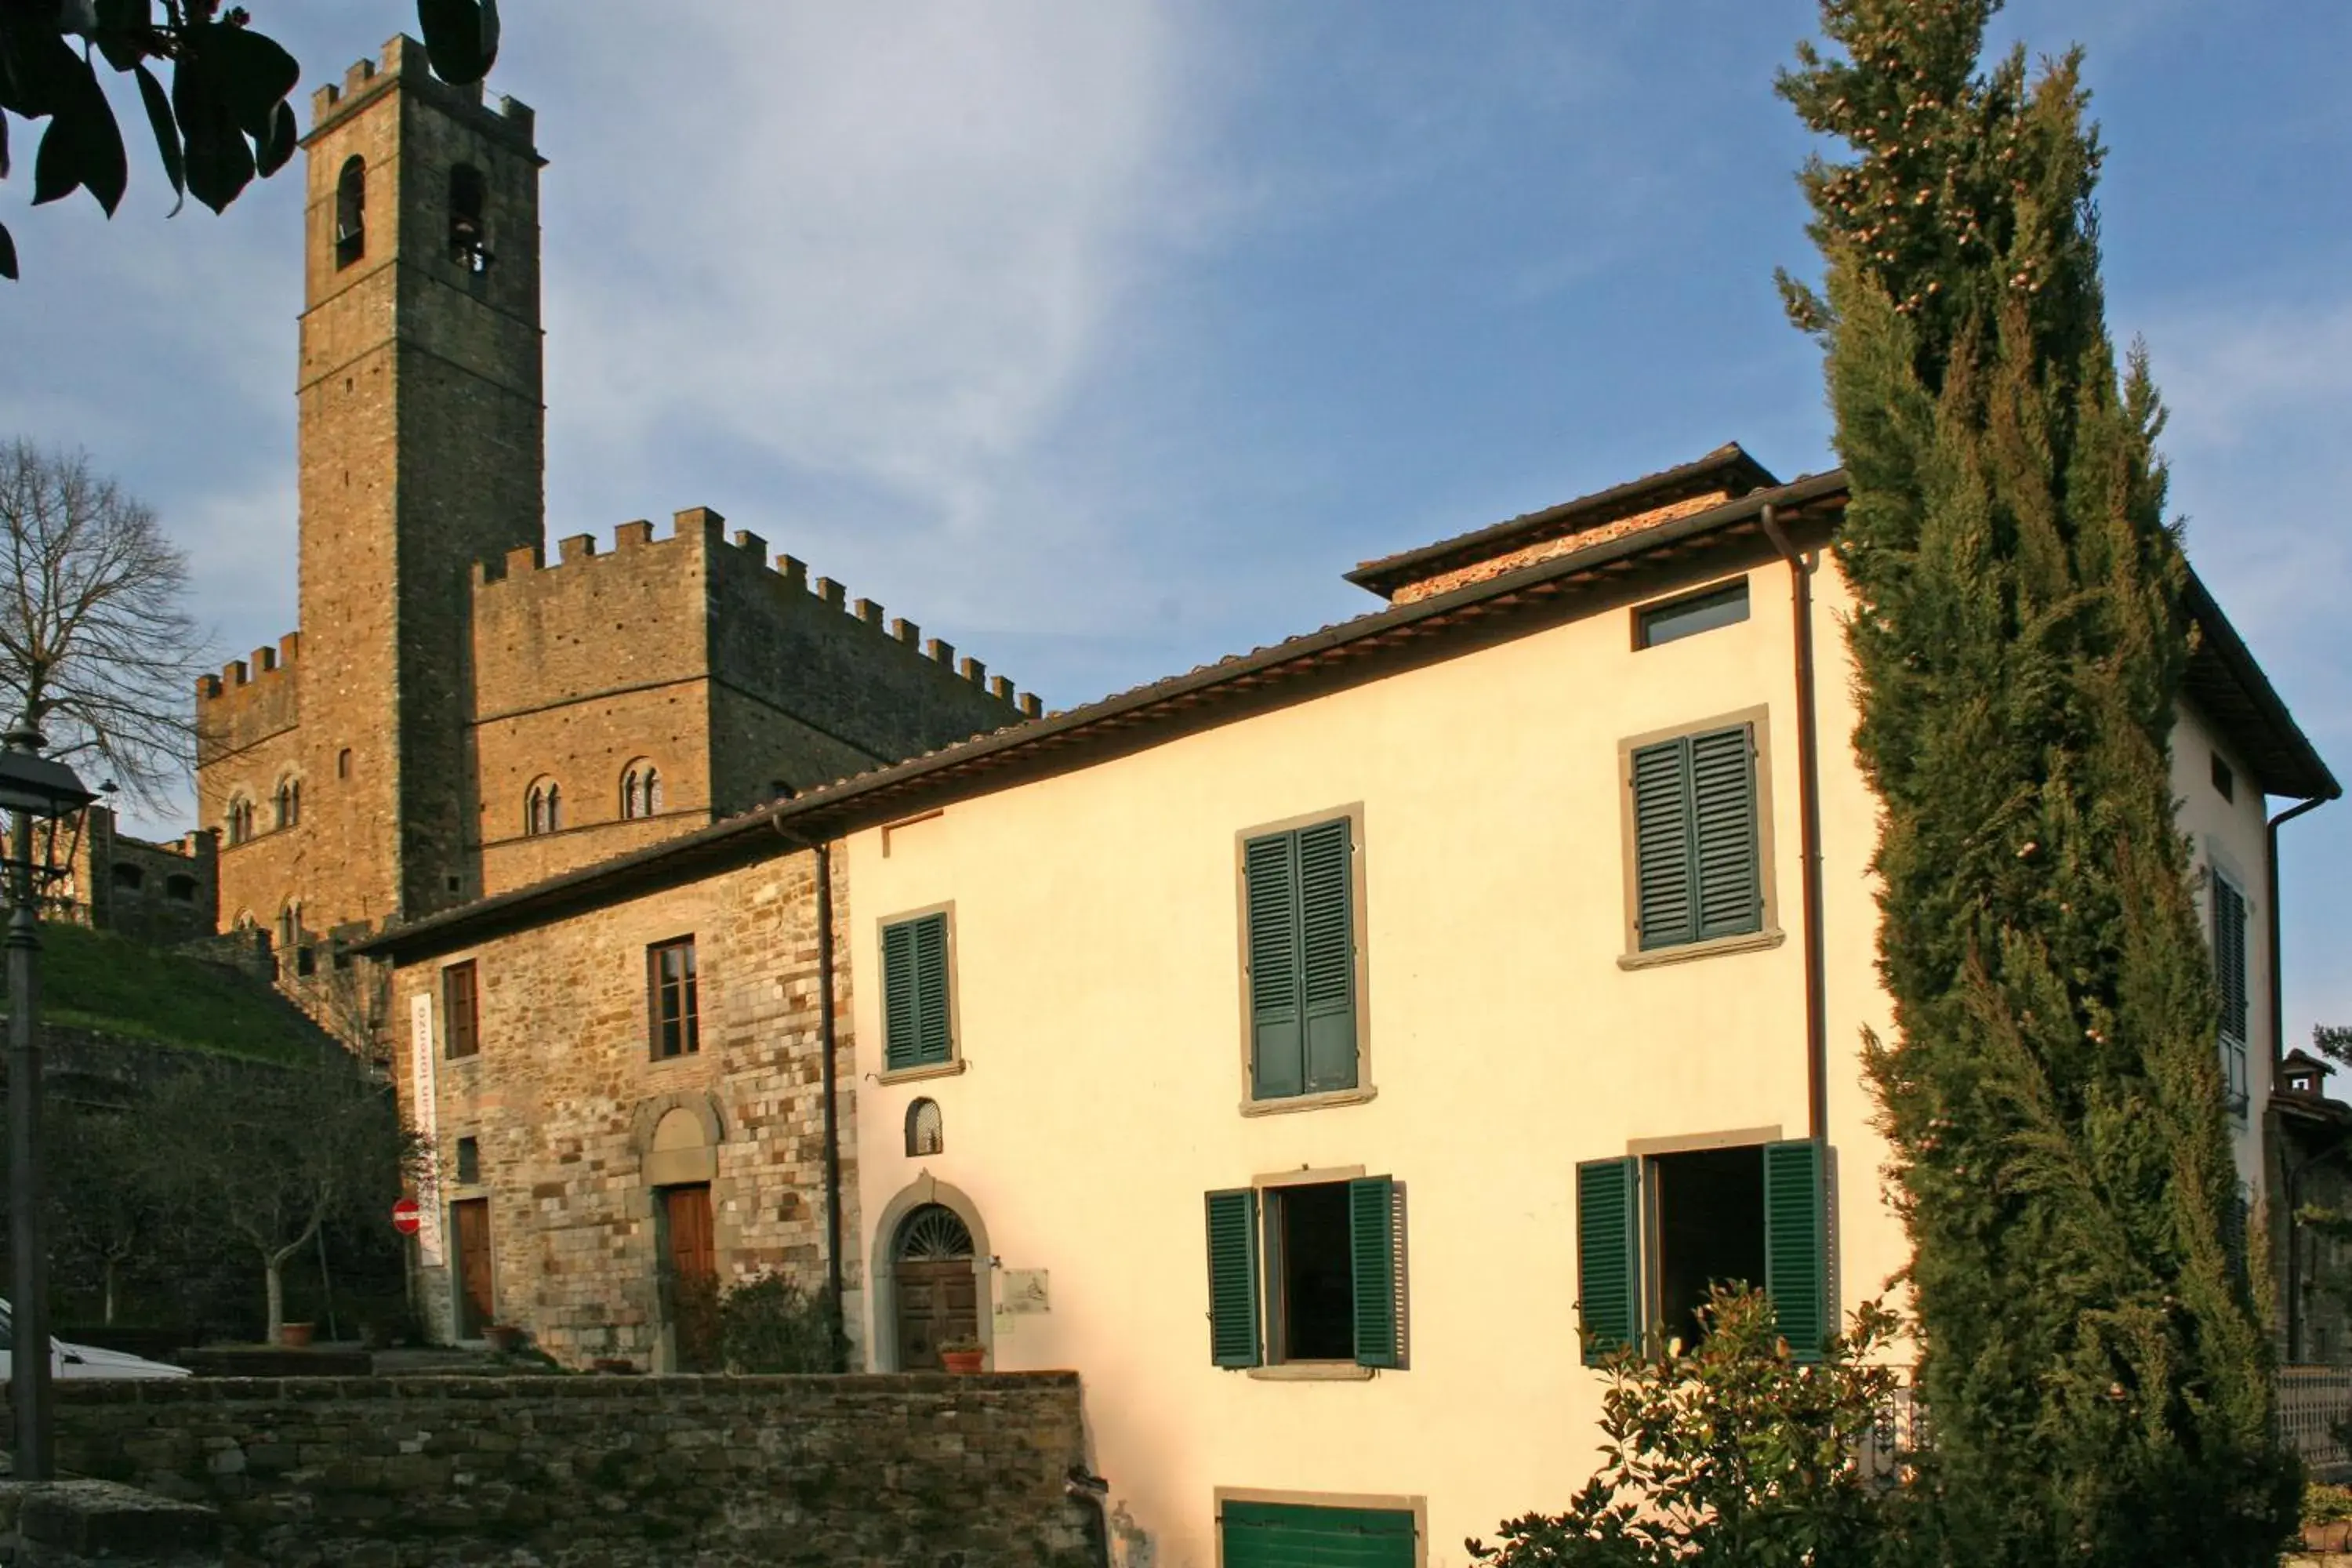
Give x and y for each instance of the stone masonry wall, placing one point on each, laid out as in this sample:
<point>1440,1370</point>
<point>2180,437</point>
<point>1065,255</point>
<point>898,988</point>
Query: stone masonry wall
<point>569,1472</point>
<point>564,1102</point>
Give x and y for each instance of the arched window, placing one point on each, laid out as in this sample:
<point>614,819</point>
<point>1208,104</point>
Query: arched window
<point>289,802</point>
<point>351,212</point>
<point>290,926</point>
<point>641,789</point>
<point>543,810</point>
<point>240,820</point>
<point>926,1132</point>
<point>468,235</point>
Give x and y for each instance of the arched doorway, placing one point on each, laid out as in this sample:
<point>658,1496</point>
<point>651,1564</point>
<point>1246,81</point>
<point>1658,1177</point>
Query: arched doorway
<point>937,1291</point>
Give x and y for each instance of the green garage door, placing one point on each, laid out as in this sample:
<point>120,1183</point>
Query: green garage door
<point>1288,1535</point>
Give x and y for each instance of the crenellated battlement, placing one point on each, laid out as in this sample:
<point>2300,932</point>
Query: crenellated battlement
<point>403,58</point>
<point>264,667</point>
<point>700,533</point>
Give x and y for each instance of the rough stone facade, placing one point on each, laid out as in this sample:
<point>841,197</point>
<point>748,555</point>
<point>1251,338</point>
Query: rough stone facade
<point>376,765</point>
<point>578,1128</point>
<point>569,1472</point>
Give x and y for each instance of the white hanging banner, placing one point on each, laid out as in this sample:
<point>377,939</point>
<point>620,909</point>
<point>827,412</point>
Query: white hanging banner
<point>423,1111</point>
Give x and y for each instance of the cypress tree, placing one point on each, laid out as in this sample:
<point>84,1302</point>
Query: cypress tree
<point>2092,1362</point>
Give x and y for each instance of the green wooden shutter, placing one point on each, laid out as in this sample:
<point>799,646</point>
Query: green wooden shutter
<point>1293,1535</point>
<point>1327,952</point>
<point>902,1014</point>
<point>1796,1250</point>
<point>1664,911</point>
<point>933,1042</point>
<point>1233,1277</point>
<point>1277,1012</point>
<point>1376,1255</point>
<point>2230,956</point>
<point>1608,1259</point>
<point>1729,891</point>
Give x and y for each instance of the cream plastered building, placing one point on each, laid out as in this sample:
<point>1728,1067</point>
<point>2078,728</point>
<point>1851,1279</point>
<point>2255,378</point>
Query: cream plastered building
<point>1301,1048</point>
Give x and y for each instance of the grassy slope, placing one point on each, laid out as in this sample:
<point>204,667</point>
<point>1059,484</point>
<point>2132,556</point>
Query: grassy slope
<point>101,981</point>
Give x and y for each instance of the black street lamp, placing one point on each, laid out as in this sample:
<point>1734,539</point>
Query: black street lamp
<point>33,788</point>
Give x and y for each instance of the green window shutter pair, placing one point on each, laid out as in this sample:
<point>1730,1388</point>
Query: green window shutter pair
<point>1609,1269</point>
<point>915,993</point>
<point>1299,895</point>
<point>1696,868</point>
<point>1376,1265</point>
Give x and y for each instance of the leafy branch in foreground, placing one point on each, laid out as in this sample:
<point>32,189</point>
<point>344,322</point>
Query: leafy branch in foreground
<point>224,119</point>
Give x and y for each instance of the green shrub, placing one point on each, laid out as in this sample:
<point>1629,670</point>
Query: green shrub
<point>771,1324</point>
<point>1730,1455</point>
<point>2325,1504</point>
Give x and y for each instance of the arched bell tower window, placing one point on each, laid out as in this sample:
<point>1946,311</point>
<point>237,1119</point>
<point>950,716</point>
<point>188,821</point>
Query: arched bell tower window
<point>926,1132</point>
<point>351,212</point>
<point>468,233</point>
<point>543,810</point>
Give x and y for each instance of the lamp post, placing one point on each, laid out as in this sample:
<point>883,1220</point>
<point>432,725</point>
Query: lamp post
<point>33,788</point>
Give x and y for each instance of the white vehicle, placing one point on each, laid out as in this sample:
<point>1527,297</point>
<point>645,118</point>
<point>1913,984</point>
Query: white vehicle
<point>83,1360</point>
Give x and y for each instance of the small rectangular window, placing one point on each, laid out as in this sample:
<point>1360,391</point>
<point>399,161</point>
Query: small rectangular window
<point>2230,969</point>
<point>2225,782</point>
<point>671,980</point>
<point>1690,615</point>
<point>461,1007</point>
<point>917,1024</point>
<point>469,1162</point>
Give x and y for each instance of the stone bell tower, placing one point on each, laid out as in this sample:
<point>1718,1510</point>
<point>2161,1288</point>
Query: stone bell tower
<point>421,420</point>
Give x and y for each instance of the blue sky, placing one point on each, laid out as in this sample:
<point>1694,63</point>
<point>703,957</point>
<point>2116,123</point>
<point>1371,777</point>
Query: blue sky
<point>1100,337</point>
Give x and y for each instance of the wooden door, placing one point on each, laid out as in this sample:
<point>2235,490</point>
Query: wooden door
<point>686,1214</point>
<point>937,1300</point>
<point>477,1304</point>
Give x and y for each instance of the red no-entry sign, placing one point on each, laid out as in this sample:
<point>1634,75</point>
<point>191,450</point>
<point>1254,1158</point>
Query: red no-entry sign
<point>406,1218</point>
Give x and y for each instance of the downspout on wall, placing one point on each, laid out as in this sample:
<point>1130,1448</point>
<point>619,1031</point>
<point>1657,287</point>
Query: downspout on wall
<point>2271,897</point>
<point>1809,830</point>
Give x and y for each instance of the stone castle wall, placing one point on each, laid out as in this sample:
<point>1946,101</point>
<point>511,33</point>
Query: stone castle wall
<point>564,1102</point>
<point>566,1472</point>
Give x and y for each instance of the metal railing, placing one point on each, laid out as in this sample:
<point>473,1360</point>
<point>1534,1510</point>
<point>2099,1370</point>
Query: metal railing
<point>2312,1400</point>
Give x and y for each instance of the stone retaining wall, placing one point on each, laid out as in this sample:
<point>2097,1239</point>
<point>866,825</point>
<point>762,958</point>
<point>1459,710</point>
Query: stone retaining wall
<point>599,1472</point>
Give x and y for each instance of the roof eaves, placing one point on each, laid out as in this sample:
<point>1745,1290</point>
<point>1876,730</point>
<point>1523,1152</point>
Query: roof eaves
<point>2307,775</point>
<point>833,807</point>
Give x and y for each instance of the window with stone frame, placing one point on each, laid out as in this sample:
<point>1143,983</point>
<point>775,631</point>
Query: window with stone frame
<point>543,809</point>
<point>461,1009</point>
<point>671,999</point>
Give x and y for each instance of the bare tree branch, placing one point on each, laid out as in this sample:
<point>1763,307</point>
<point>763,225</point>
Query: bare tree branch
<point>97,648</point>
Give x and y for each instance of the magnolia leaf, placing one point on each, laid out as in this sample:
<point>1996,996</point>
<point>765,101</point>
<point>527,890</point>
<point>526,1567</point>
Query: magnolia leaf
<point>250,74</point>
<point>57,165</point>
<point>219,159</point>
<point>461,37</point>
<point>284,134</point>
<point>167,133</point>
<point>7,255</point>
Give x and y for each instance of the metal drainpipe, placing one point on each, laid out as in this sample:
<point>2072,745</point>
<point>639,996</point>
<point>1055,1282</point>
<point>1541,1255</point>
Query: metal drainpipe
<point>1809,830</point>
<point>828,1040</point>
<point>2278,1054</point>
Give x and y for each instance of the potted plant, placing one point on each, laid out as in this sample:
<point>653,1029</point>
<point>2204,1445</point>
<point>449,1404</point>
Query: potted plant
<point>296,1336</point>
<point>962,1353</point>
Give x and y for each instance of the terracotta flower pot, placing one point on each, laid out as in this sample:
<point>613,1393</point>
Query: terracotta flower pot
<point>295,1336</point>
<point>964,1361</point>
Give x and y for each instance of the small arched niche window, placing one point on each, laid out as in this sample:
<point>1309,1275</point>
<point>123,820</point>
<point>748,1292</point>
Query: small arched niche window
<point>543,809</point>
<point>926,1132</point>
<point>641,790</point>
<point>468,235</point>
<point>343,763</point>
<point>289,802</point>
<point>350,211</point>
